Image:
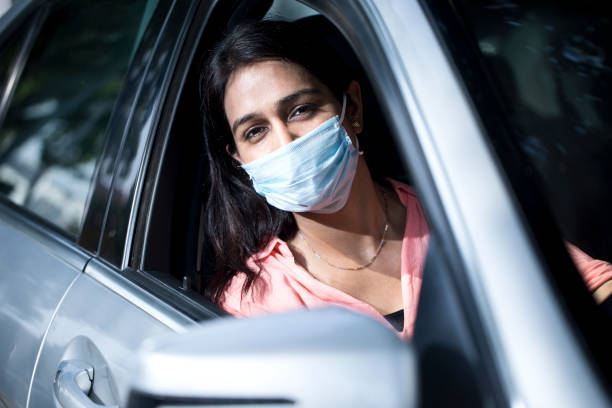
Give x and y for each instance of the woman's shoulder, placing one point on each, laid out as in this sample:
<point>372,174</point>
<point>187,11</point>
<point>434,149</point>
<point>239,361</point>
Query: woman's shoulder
<point>413,217</point>
<point>405,192</point>
<point>272,291</point>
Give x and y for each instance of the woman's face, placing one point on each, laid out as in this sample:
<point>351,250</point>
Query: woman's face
<point>271,103</point>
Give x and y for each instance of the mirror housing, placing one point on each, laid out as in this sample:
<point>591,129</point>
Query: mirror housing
<point>309,358</point>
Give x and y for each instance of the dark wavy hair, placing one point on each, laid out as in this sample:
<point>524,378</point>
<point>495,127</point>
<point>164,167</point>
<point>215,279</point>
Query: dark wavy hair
<point>238,222</point>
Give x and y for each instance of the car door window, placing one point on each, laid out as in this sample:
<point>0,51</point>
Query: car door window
<point>55,124</point>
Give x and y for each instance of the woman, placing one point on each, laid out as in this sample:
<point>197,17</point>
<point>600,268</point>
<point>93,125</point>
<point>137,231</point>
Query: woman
<point>294,216</point>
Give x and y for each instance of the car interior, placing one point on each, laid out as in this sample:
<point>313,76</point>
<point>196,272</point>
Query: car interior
<point>176,255</point>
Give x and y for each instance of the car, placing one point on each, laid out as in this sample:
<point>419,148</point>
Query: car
<point>496,112</point>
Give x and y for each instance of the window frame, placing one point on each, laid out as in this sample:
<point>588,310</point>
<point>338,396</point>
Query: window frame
<point>138,122</point>
<point>195,34</point>
<point>104,184</point>
<point>130,147</point>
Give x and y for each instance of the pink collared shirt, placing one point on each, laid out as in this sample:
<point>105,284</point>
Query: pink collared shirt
<point>285,285</point>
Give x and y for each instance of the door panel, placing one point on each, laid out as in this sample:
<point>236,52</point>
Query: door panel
<point>97,326</point>
<point>33,280</point>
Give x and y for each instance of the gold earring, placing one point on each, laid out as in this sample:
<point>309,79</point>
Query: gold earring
<point>356,124</point>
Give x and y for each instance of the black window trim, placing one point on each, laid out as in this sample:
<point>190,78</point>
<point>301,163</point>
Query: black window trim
<point>166,287</point>
<point>187,303</point>
<point>161,135</point>
<point>117,229</point>
<point>103,180</point>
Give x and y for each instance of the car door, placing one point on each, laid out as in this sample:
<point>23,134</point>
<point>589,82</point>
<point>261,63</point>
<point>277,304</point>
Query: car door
<point>39,258</point>
<point>102,68</point>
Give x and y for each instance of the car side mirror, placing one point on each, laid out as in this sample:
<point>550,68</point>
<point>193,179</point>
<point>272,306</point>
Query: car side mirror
<point>309,358</point>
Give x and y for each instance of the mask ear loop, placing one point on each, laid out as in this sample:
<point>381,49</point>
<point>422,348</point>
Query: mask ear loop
<point>342,119</point>
<point>343,108</point>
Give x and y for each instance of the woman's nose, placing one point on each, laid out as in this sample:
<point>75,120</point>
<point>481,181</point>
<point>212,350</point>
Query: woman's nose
<point>283,135</point>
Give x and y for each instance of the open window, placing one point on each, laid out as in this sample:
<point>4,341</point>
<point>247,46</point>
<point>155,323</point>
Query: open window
<point>169,247</point>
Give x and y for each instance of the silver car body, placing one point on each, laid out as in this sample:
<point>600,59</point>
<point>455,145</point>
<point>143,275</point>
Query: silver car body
<point>60,301</point>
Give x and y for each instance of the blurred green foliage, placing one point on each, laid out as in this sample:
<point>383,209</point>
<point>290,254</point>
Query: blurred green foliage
<point>57,119</point>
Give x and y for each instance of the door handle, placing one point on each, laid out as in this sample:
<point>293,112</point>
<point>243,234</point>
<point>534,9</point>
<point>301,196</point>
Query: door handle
<point>73,383</point>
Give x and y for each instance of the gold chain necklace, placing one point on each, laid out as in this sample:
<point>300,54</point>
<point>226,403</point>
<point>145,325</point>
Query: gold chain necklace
<point>354,268</point>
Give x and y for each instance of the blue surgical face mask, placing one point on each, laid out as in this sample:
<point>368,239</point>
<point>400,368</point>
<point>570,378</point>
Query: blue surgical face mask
<point>311,174</point>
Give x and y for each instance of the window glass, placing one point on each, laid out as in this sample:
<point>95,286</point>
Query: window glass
<point>553,70</point>
<point>54,127</point>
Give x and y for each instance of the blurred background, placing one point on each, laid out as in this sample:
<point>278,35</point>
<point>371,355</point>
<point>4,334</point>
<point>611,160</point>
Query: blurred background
<point>5,5</point>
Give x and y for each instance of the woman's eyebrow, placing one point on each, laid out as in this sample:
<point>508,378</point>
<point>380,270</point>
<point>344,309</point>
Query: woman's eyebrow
<point>293,96</point>
<point>242,120</point>
<point>284,100</point>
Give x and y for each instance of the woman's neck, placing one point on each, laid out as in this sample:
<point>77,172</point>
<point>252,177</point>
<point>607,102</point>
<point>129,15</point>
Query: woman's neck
<point>356,229</point>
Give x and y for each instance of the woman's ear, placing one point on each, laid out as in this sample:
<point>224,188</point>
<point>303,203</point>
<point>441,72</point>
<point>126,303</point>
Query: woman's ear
<point>234,155</point>
<point>355,111</point>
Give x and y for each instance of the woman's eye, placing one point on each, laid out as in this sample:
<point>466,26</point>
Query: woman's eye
<point>254,133</point>
<point>301,111</point>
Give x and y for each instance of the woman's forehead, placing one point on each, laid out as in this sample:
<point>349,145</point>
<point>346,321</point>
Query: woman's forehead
<point>272,70</point>
<point>255,86</point>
